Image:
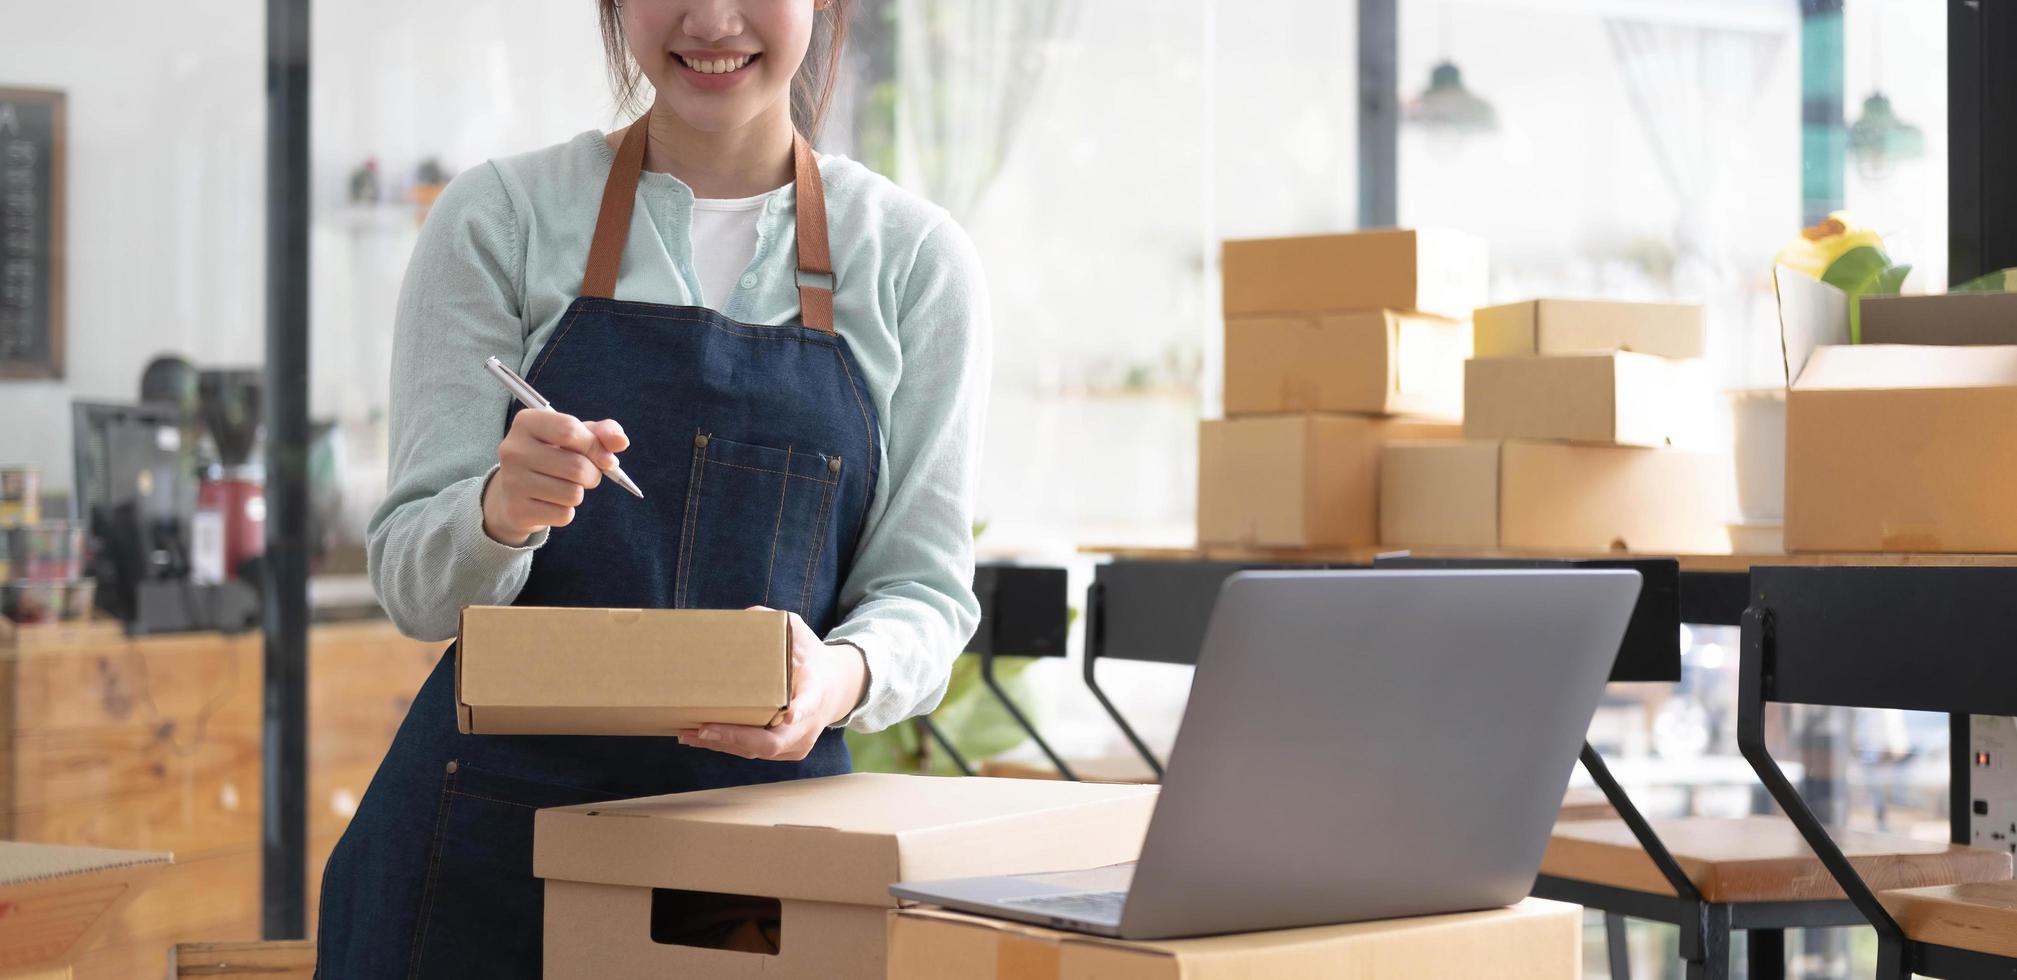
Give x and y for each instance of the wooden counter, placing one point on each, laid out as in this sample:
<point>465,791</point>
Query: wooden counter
<point>153,744</point>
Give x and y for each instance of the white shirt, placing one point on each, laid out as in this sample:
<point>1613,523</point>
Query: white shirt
<point>724,240</point>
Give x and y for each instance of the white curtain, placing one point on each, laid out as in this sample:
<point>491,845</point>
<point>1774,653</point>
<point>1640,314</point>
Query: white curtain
<point>968,76</point>
<point>1693,89</point>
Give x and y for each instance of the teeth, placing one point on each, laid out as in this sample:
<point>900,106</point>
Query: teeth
<point>717,66</point>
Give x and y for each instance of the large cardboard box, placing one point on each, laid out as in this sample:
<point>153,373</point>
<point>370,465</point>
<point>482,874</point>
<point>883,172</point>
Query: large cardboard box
<point>1619,399</point>
<point>1522,496</point>
<point>1296,481</point>
<point>1578,326</point>
<point>1954,319</point>
<point>1424,270</point>
<point>1534,940</point>
<point>533,670</point>
<point>1376,362</point>
<point>54,901</point>
<point>794,877</point>
<point>1903,448</point>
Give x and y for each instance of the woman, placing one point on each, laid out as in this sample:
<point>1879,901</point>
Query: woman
<point>804,441</point>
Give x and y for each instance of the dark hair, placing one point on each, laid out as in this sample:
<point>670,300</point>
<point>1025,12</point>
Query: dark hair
<point>811,91</point>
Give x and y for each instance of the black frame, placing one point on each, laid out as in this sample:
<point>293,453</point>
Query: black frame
<point>284,745</point>
<point>1914,638</point>
<point>1024,613</point>
<point>1981,137</point>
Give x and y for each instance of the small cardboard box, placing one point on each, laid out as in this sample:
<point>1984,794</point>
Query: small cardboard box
<point>1534,940</point>
<point>1296,481</point>
<point>1376,362</point>
<point>1954,319</point>
<point>810,860</point>
<point>535,670</point>
<point>1575,326</point>
<point>55,900</point>
<point>1425,271</point>
<point>1903,448</point>
<point>1619,399</point>
<point>1553,497</point>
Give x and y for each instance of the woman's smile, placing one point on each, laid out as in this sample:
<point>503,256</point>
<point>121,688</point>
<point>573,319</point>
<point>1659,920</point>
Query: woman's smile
<point>713,71</point>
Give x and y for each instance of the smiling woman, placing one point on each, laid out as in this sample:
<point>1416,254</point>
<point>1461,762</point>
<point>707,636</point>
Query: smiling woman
<point>797,351</point>
<point>812,83</point>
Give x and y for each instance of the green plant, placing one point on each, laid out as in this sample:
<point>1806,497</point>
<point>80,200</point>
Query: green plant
<point>1999,281</point>
<point>969,715</point>
<point>1864,271</point>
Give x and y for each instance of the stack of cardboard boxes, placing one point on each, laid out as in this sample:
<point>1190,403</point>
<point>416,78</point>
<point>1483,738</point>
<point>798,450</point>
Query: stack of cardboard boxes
<point>1584,430</point>
<point>1335,345</point>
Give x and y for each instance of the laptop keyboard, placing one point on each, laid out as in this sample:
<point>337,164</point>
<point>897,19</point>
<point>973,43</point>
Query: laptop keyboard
<point>1091,906</point>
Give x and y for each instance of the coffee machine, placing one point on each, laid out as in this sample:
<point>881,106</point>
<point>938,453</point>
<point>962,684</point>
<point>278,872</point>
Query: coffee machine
<point>173,499</point>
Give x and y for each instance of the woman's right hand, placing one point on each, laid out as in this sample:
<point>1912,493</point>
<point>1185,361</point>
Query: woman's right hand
<point>544,465</point>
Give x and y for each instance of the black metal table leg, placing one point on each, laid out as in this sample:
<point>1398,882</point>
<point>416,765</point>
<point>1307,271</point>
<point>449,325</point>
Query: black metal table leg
<point>1616,949</point>
<point>1765,954</point>
<point>1677,879</point>
<point>1706,946</point>
<point>1095,642</point>
<point>1022,721</point>
<point>925,725</point>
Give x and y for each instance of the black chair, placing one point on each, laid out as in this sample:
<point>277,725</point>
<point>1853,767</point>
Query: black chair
<point>1913,638</point>
<point>1024,613</point>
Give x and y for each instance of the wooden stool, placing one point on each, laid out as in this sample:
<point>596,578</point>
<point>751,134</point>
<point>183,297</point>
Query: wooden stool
<point>1980,917</point>
<point>1751,873</point>
<point>288,960</point>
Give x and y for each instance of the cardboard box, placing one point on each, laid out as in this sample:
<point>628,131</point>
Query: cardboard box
<point>1574,326</point>
<point>533,670</point>
<point>55,900</point>
<point>1954,319</point>
<point>1903,448</point>
<point>1296,481</point>
<point>1376,362</point>
<point>1534,940</point>
<point>1553,497</point>
<point>1620,399</point>
<point>813,859</point>
<point>1425,271</point>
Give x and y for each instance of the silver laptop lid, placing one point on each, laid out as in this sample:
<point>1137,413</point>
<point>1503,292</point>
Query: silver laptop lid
<point>1372,744</point>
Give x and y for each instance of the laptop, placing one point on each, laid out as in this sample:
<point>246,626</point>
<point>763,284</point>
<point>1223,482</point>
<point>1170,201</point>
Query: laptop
<point>1358,745</point>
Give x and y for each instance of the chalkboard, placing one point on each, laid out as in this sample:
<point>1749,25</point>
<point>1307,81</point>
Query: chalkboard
<point>31,233</point>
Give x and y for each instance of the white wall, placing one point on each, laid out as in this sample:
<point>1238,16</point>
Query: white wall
<point>166,171</point>
<point>401,82</point>
<point>164,200</point>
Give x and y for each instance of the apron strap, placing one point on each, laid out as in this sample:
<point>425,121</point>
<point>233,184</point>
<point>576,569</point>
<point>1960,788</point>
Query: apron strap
<point>815,264</point>
<point>612,224</point>
<point>619,195</point>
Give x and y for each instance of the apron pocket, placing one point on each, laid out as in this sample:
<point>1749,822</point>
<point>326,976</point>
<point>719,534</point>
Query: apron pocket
<point>757,521</point>
<point>480,909</point>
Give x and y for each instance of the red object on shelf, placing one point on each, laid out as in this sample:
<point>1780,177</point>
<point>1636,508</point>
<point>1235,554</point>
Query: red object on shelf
<point>236,505</point>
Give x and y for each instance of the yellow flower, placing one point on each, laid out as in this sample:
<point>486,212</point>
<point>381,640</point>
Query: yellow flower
<point>1819,246</point>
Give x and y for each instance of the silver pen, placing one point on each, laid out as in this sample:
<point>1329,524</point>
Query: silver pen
<point>532,399</point>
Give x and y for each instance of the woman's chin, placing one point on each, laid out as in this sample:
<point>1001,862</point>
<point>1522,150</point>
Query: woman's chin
<point>709,114</point>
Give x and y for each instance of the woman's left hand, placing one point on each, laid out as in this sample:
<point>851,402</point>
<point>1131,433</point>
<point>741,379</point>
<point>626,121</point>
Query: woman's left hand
<point>826,684</point>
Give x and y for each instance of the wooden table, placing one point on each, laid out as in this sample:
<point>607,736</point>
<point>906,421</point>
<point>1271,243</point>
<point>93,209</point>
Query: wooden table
<point>153,743</point>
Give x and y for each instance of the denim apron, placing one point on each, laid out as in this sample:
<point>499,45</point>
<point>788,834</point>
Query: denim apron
<point>756,448</point>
